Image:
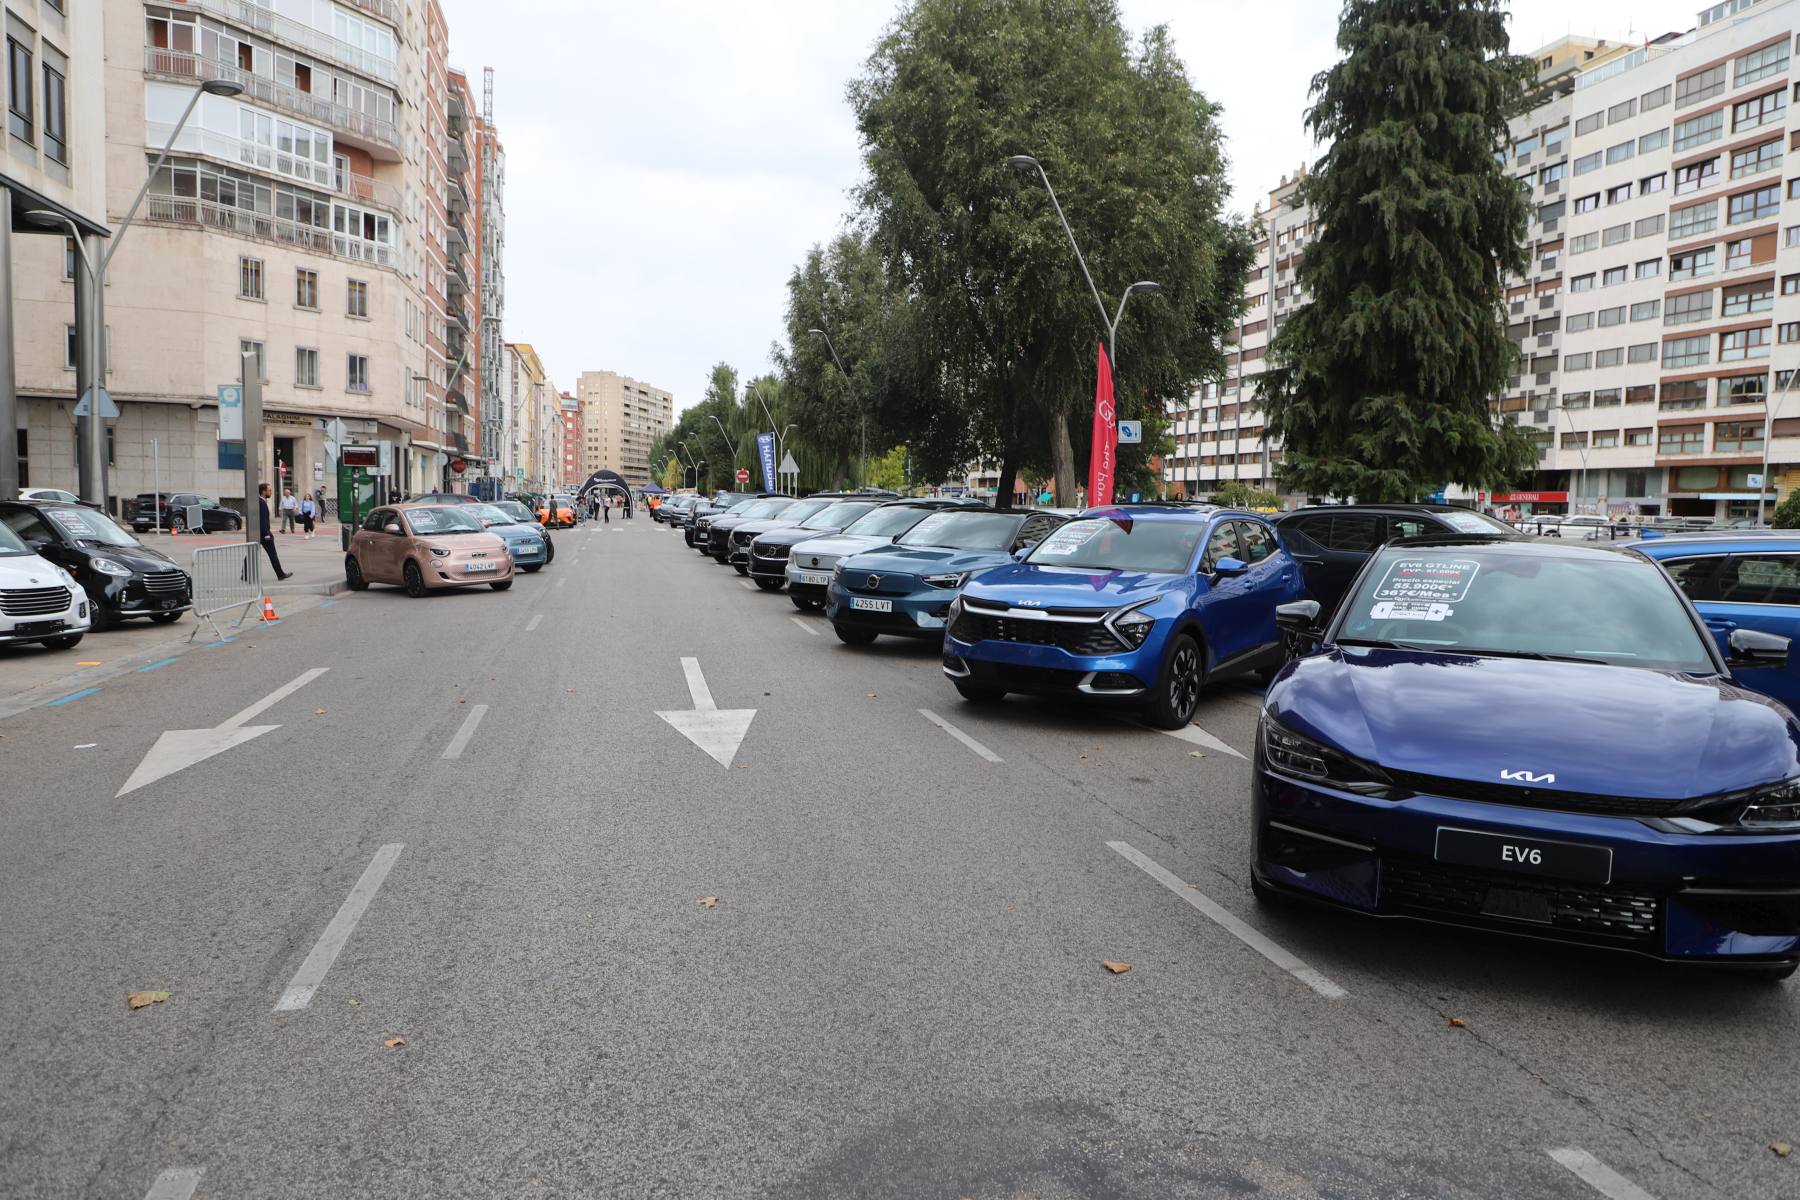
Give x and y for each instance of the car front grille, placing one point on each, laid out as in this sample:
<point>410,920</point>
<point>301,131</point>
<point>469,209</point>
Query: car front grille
<point>1603,911</point>
<point>33,602</point>
<point>1545,798</point>
<point>771,553</point>
<point>165,583</point>
<point>1077,637</point>
<point>741,541</point>
<point>816,562</point>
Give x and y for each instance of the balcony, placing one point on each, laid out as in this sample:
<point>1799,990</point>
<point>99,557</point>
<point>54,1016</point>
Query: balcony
<point>361,188</point>
<point>205,214</point>
<point>379,138</point>
<point>255,16</point>
<point>387,10</point>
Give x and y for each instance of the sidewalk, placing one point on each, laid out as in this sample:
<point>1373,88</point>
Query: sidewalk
<point>316,567</point>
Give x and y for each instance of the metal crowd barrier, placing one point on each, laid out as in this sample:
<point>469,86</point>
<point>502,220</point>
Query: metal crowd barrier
<point>226,577</point>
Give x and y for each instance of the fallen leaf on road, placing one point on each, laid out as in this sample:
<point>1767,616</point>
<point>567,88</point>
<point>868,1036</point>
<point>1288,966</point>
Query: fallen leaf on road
<point>394,1043</point>
<point>139,1000</point>
<point>568,689</point>
<point>1781,1149</point>
<point>1117,968</point>
<point>1195,754</point>
<point>1195,886</point>
<point>1456,1023</point>
<point>355,1003</point>
<point>709,902</point>
<point>87,745</point>
<point>318,712</point>
<point>872,696</point>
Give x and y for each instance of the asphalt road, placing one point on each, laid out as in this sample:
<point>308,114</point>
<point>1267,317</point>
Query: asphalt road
<point>899,991</point>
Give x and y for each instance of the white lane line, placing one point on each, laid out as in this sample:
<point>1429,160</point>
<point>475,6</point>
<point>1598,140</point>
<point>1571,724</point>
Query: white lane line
<point>562,581</point>
<point>696,682</point>
<point>959,735</point>
<point>804,625</point>
<point>311,974</point>
<point>176,1183</point>
<point>455,748</point>
<point>533,623</point>
<point>1230,924</point>
<point>275,697</point>
<point>1598,1175</point>
<point>746,584</point>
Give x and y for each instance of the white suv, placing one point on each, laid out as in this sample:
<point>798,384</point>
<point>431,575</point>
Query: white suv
<point>39,601</point>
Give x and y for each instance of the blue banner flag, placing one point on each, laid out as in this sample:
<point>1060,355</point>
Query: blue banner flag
<point>765,450</point>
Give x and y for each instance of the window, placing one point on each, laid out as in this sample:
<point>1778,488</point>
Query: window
<point>1554,140</point>
<point>1619,194</point>
<point>1575,400</point>
<point>1737,254</point>
<point>1656,139</point>
<point>1744,389</point>
<point>1577,362</point>
<point>1790,285</point>
<point>1589,123</point>
<point>306,288</point>
<point>1587,203</point>
<point>1606,398</point>
<point>250,278</point>
<point>1637,437</point>
<point>1760,64</point>
<point>56,115</point>
<point>1695,176</point>
<point>1686,439</point>
<point>1583,243</point>
<point>1703,86</point>
<point>1525,146</point>
<point>1605,438</point>
<point>1609,358</point>
<point>1758,110</point>
<point>1737,437</point>
<point>1587,162</point>
<point>1613,276</point>
<point>18,96</point>
<point>1756,159</point>
<point>357,304</point>
<point>1554,171</point>
<point>1624,110</point>
<point>356,373</point>
<point>1612,235</point>
<point>1790,332</point>
<point>1687,352</point>
<point>1578,322</point>
<point>1653,183</point>
<point>306,367</point>
<point>1790,236</point>
<point>1612,316</point>
<point>1695,264</point>
<point>1744,343</point>
<point>1697,131</point>
<point>1646,310</point>
<point>1655,99</point>
<point>1574,441</point>
<point>246,346</point>
<point>1621,152</point>
<point>1694,219</point>
<point>1747,298</point>
<point>1581,283</point>
<point>1650,268</point>
<point>71,256</point>
<point>1752,206</point>
<point>1642,353</point>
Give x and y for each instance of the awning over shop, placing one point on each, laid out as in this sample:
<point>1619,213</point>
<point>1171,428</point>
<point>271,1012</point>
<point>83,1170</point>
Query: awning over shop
<point>25,199</point>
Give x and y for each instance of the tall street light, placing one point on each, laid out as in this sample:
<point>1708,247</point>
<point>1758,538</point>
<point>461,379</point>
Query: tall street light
<point>729,445</point>
<point>92,459</point>
<point>1581,446</point>
<point>865,411</point>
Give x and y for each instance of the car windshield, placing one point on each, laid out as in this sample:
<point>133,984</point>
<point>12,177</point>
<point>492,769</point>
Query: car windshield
<point>514,510</point>
<point>800,510</point>
<point>430,522</point>
<point>10,545</point>
<point>86,525</point>
<point>1474,522</point>
<point>964,531</point>
<point>760,508</point>
<point>887,522</point>
<point>490,514</point>
<point>1099,543</point>
<point>1604,607</point>
<point>836,516</point>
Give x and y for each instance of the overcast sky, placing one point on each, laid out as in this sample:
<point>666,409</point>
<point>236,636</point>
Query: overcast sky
<point>669,163</point>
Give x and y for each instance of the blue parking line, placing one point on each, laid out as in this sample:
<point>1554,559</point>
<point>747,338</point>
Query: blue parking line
<point>72,696</point>
<point>165,662</point>
<point>220,642</point>
<point>326,603</point>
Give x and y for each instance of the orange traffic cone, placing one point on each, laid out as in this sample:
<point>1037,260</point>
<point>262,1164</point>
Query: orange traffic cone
<point>269,610</point>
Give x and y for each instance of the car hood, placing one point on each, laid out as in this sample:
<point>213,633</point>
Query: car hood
<point>517,529</point>
<point>761,525</point>
<point>835,546</point>
<point>792,535</point>
<point>1068,587</point>
<point>29,571</point>
<point>1620,731</point>
<point>926,560</point>
<point>141,558</point>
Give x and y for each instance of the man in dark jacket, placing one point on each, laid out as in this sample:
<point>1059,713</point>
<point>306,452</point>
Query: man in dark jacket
<point>268,539</point>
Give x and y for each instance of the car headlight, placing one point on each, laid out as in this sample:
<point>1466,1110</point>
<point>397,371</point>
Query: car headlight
<point>1132,626</point>
<point>1291,753</point>
<point>440,552</point>
<point>950,579</point>
<point>1773,810</point>
<point>107,566</point>
<point>837,571</point>
<point>955,611</point>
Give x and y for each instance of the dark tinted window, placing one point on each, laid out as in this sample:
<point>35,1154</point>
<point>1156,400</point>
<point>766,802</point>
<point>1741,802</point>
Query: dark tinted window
<point>1760,579</point>
<point>1360,533</point>
<point>1035,528</point>
<point>26,524</point>
<point>1318,528</point>
<point>1696,576</point>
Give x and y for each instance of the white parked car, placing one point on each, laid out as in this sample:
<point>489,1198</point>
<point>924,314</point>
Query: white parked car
<point>49,494</point>
<point>1586,526</point>
<point>39,601</point>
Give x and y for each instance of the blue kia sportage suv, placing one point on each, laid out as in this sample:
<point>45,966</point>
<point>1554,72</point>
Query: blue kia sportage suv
<point>1139,604</point>
<point>1536,738</point>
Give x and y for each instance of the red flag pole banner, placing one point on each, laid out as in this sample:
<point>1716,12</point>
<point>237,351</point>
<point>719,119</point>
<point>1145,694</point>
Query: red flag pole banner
<point>1103,461</point>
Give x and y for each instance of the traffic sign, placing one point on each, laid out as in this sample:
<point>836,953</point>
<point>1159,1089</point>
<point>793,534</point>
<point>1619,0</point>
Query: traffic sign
<point>108,410</point>
<point>231,412</point>
<point>788,465</point>
<point>743,476</point>
<point>1753,480</point>
<point>1131,433</point>
<point>458,465</point>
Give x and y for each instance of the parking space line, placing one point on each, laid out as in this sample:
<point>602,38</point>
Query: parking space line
<point>455,748</point>
<point>803,625</point>
<point>72,696</point>
<point>1598,1175</point>
<point>533,623</point>
<point>176,1183</point>
<point>1212,911</point>
<point>959,735</point>
<point>306,980</point>
<point>746,584</point>
<point>152,666</point>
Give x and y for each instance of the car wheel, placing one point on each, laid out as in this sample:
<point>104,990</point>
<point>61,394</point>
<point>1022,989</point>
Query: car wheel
<point>1172,703</point>
<point>534,568</point>
<point>66,642</point>
<point>164,618</point>
<point>976,694</point>
<point>500,585</point>
<point>853,637</point>
<point>549,552</point>
<point>740,568</point>
<point>415,580</point>
<point>104,618</point>
<point>236,527</point>
<point>353,575</point>
<point>769,585</point>
<point>178,525</point>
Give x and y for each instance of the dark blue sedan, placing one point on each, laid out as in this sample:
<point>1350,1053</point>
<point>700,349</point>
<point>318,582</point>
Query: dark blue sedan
<point>1536,739</point>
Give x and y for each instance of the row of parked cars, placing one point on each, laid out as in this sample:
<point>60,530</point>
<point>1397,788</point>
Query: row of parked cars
<point>447,540</point>
<point>1464,724</point>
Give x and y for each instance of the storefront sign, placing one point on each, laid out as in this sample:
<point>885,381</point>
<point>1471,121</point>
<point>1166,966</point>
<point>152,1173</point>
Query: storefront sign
<point>231,413</point>
<point>1531,497</point>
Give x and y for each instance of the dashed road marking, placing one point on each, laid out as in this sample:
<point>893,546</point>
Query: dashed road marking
<point>461,740</point>
<point>804,625</point>
<point>747,585</point>
<point>306,980</point>
<point>176,1183</point>
<point>1598,1175</point>
<point>1212,911</point>
<point>960,736</point>
<point>534,622</point>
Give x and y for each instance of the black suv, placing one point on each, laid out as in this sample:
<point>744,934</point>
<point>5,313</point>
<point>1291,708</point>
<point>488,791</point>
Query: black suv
<point>701,516</point>
<point>140,513</point>
<point>1332,541</point>
<point>121,576</point>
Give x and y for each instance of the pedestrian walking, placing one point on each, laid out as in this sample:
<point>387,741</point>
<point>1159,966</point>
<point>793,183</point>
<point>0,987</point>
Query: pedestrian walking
<point>290,508</point>
<point>309,513</point>
<point>268,539</point>
<point>605,513</point>
<point>319,502</point>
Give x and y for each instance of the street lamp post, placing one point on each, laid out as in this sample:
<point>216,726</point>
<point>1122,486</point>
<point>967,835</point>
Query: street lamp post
<point>1581,446</point>
<point>865,413</point>
<point>1762,486</point>
<point>729,445</point>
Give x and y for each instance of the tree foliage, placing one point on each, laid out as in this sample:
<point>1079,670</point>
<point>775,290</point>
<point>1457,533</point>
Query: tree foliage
<point>1235,493</point>
<point>1787,513</point>
<point>1380,385</point>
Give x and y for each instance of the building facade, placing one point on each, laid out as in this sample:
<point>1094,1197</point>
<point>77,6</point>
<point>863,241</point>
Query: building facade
<point>621,418</point>
<point>571,457</point>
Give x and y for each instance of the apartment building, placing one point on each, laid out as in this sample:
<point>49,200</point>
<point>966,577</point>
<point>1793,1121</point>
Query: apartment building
<point>487,186</point>
<point>572,459</point>
<point>621,418</point>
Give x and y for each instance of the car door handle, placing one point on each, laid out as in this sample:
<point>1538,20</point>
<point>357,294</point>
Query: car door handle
<point>1719,623</point>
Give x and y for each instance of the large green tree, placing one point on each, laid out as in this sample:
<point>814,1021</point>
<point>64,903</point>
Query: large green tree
<point>1380,386</point>
<point>999,328</point>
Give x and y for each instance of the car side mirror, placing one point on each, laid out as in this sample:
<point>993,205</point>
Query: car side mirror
<point>1298,621</point>
<point>390,528</point>
<point>1230,566</point>
<point>1023,552</point>
<point>1754,648</point>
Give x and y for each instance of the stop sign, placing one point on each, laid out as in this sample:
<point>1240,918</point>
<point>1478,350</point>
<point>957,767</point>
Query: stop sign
<point>458,465</point>
<point>743,476</point>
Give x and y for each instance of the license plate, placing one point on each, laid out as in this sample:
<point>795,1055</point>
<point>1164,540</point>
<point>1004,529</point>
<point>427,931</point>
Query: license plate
<point>864,604</point>
<point>815,578</point>
<point>29,627</point>
<point>475,567</point>
<point>1525,856</point>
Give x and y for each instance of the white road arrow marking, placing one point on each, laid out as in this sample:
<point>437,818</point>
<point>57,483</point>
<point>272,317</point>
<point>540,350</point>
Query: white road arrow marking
<point>179,749</point>
<point>718,731</point>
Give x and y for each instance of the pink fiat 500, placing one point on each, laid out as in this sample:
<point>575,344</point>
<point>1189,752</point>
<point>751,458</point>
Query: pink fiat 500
<point>426,546</point>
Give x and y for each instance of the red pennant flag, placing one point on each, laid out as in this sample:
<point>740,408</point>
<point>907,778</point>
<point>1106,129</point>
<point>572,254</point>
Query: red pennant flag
<point>1103,461</point>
